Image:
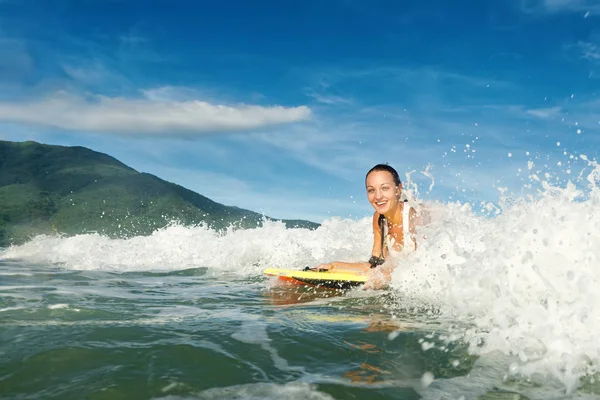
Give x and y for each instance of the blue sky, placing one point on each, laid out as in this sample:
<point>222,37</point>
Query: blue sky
<point>281,107</point>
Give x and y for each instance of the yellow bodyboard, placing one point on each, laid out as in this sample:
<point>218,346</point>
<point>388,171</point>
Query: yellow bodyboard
<point>335,280</point>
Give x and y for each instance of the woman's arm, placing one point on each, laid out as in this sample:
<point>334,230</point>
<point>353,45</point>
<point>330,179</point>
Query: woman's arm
<point>341,266</point>
<point>419,219</point>
<point>414,220</point>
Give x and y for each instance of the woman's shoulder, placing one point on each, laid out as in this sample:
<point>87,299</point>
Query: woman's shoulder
<point>377,220</point>
<point>377,217</point>
<point>419,213</point>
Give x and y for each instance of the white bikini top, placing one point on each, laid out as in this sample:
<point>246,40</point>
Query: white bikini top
<point>409,244</point>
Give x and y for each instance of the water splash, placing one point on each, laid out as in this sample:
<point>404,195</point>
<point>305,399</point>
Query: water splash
<point>243,252</point>
<point>523,283</point>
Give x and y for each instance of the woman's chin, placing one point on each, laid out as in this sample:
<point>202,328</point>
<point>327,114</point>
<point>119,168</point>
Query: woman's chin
<point>382,209</point>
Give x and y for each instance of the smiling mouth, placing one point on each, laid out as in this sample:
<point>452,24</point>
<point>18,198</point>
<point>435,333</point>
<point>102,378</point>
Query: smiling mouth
<point>381,203</point>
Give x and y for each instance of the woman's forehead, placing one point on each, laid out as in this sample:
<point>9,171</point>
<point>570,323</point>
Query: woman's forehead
<point>379,177</point>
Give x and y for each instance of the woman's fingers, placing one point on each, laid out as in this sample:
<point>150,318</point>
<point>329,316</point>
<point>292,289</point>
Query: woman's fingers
<point>323,267</point>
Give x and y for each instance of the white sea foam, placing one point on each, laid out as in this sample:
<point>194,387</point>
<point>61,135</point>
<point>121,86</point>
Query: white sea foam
<point>526,281</point>
<point>11,274</point>
<point>254,332</point>
<point>291,391</point>
<point>246,252</point>
<point>58,306</point>
<point>11,309</point>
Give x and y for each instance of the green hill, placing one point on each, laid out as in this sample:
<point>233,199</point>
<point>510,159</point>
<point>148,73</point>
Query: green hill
<point>72,190</point>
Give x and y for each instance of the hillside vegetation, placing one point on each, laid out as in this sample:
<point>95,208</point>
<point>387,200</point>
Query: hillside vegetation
<point>70,190</point>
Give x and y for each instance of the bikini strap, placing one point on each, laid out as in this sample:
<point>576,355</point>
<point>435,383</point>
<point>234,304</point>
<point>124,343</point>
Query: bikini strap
<point>381,223</point>
<point>406,223</point>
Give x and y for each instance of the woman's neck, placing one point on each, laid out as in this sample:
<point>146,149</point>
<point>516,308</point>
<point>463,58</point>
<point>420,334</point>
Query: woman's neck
<point>395,216</point>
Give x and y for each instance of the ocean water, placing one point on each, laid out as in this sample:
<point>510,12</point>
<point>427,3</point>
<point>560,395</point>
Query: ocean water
<point>501,301</point>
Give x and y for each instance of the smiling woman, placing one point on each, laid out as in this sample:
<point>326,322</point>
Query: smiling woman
<point>394,223</point>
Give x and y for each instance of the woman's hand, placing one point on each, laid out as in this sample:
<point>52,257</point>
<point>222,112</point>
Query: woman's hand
<point>379,277</point>
<point>375,283</point>
<point>323,267</point>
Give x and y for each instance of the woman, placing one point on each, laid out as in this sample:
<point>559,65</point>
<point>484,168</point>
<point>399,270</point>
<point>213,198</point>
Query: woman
<point>394,223</point>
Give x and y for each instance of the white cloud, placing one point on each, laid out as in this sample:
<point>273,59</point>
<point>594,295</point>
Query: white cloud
<point>171,93</point>
<point>335,77</point>
<point>544,113</point>
<point>144,116</point>
<point>93,72</point>
<point>328,99</point>
<point>132,39</point>
<point>590,51</point>
<point>554,6</point>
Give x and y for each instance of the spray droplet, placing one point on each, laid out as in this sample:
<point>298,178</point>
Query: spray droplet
<point>426,379</point>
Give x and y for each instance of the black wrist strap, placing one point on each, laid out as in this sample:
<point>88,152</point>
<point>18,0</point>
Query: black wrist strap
<point>376,261</point>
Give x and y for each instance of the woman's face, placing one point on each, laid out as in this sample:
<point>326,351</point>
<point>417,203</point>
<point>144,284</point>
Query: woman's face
<point>382,192</point>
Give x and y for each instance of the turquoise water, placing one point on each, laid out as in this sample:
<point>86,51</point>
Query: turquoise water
<point>497,307</point>
<point>68,334</point>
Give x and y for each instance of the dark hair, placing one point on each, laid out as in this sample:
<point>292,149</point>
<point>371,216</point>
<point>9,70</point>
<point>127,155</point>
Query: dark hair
<point>385,167</point>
